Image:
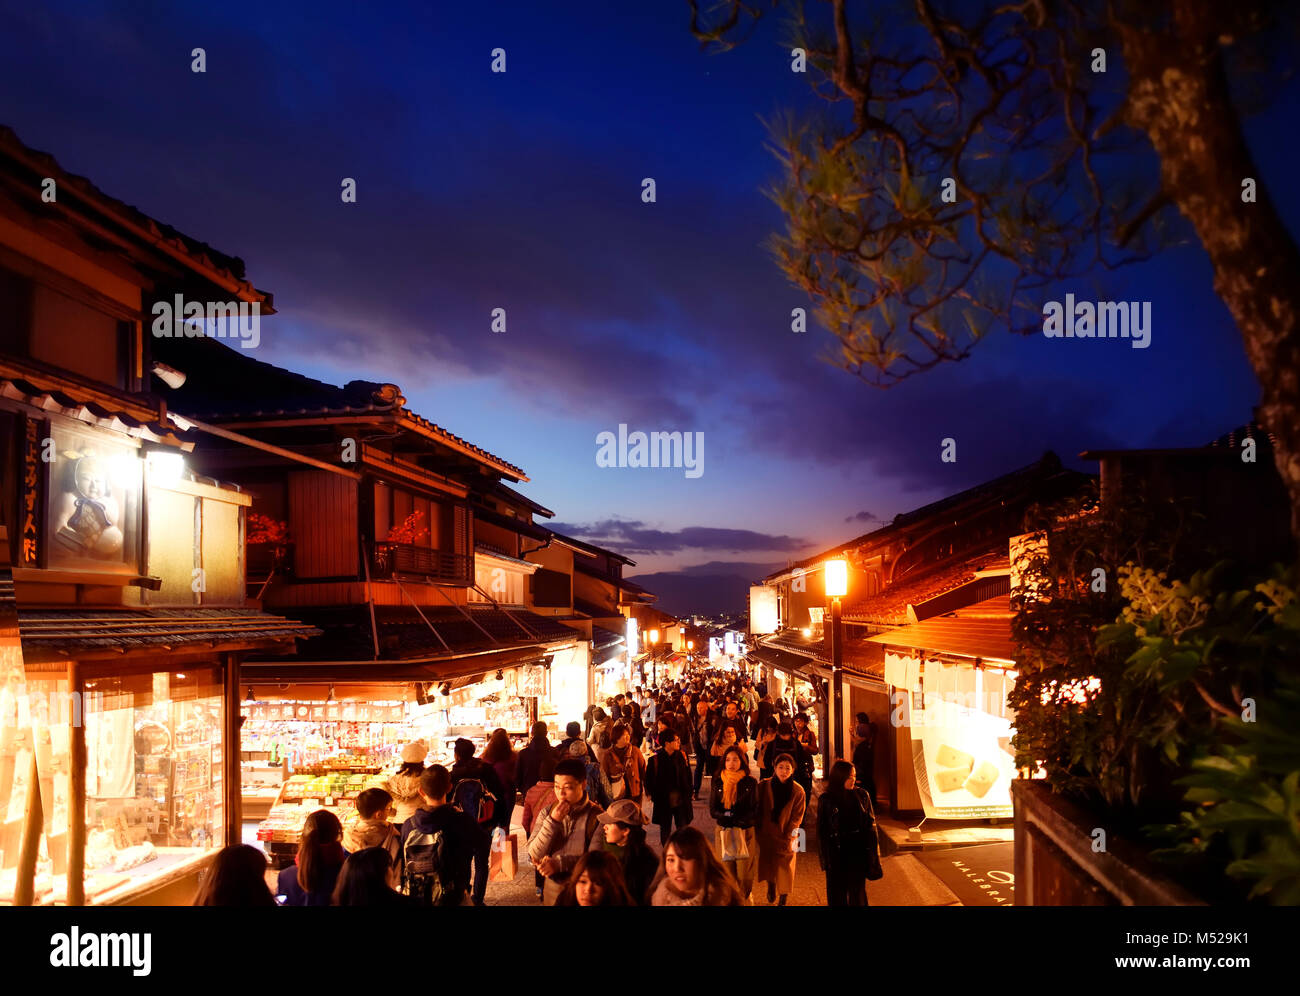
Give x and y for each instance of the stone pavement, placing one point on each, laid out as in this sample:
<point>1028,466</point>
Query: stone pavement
<point>907,882</point>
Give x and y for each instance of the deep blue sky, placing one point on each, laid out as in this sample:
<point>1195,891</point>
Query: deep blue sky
<point>522,191</point>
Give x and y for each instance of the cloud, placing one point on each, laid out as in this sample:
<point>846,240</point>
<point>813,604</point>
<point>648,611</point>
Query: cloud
<point>864,516</point>
<point>629,536</point>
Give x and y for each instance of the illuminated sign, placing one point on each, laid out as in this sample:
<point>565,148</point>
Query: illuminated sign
<point>762,610</point>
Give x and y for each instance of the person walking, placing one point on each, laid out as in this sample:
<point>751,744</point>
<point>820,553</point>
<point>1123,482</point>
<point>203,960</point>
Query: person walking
<point>540,794</point>
<point>847,838</point>
<point>478,793</point>
<point>787,743</point>
<point>528,761</point>
<point>692,875</point>
<point>371,827</point>
<point>702,733</point>
<point>808,741</point>
<point>864,755</point>
<point>564,831</point>
<point>310,880</point>
<point>438,845</point>
<point>733,804</point>
<point>781,804</point>
<point>366,879</point>
<point>572,735</point>
<point>597,880</point>
<point>668,782</point>
<point>623,767</point>
<point>404,786</point>
<point>625,839</point>
<point>632,720</point>
<point>505,762</point>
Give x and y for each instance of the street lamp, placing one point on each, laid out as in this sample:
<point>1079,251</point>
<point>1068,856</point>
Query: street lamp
<point>837,586</point>
<point>654,650</point>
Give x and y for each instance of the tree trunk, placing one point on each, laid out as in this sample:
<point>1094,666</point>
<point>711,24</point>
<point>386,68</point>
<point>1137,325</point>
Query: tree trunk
<point>1179,97</point>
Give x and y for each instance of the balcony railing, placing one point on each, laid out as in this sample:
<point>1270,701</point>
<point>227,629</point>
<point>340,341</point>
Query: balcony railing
<point>436,565</point>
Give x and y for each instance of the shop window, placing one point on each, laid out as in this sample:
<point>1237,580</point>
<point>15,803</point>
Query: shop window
<point>153,780</point>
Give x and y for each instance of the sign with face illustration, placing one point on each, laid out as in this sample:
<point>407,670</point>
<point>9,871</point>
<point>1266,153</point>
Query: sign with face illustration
<point>94,501</point>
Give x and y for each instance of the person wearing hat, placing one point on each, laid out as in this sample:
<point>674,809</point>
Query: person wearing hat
<point>404,786</point>
<point>625,838</point>
<point>781,805</point>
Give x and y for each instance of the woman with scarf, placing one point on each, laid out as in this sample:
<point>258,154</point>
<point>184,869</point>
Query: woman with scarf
<point>781,804</point>
<point>311,880</point>
<point>692,875</point>
<point>622,767</point>
<point>733,804</point>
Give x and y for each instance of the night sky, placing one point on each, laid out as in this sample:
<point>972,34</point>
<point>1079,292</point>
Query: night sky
<point>523,191</point>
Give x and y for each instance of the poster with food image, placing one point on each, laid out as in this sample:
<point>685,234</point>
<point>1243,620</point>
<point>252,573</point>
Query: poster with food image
<point>964,761</point>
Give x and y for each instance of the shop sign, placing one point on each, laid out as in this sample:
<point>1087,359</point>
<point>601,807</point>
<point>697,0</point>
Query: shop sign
<point>33,507</point>
<point>94,500</point>
<point>532,681</point>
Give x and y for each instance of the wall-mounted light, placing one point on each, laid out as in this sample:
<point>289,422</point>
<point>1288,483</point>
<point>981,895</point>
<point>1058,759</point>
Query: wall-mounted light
<point>170,376</point>
<point>654,636</point>
<point>501,675</point>
<point>249,696</point>
<point>446,688</point>
<point>165,468</point>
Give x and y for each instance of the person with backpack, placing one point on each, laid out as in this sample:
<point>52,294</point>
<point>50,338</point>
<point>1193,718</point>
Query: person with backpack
<point>529,759</point>
<point>478,793</point>
<point>371,827</point>
<point>668,782</point>
<point>572,735</point>
<point>438,844</point>
<point>600,733</point>
<point>566,830</point>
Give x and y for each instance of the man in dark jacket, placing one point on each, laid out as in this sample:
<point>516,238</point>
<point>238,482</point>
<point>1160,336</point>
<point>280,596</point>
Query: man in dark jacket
<point>530,759</point>
<point>469,766</point>
<point>572,735</point>
<point>459,837</point>
<point>632,717</point>
<point>668,783</point>
<point>864,755</point>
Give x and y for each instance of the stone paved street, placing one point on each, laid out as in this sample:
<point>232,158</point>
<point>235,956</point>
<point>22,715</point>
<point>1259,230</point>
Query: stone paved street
<point>907,881</point>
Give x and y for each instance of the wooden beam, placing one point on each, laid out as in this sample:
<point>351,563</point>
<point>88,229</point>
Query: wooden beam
<point>77,795</point>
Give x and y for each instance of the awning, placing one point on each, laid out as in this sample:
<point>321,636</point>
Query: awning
<point>466,667</point>
<point>983,639</point>
<point>85,634</point>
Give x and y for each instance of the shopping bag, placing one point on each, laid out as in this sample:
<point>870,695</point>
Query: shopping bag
<point>504,863</point>
<point>732,845</point>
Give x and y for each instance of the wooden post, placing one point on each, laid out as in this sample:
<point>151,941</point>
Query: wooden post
<point>230,752</point>
<point>25,888</point>
<point>77,794</point>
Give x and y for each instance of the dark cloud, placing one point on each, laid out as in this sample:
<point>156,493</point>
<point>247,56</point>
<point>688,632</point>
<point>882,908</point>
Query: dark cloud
<point>864,516</point>
<point>631,537</point>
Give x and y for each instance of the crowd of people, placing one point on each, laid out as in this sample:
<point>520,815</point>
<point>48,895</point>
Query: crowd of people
<point>428,838</point>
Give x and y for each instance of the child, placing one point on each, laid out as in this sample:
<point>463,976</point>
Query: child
<point>372,828</point>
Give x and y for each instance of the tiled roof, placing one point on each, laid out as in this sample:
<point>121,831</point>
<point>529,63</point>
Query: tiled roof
<point>404,635</point>
<point>966,637</point>
<point>85,632</point>
<point>91,413</point>
<point>594,610</point>
<point>604,638</point>
<point>130,222</point>
<point>889,607</point>
<point>224,383</point>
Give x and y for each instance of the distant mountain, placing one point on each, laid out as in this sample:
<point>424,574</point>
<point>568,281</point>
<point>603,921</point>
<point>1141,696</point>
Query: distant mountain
<point>705,589</point>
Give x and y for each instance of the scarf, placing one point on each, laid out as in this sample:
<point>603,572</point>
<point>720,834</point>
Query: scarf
<point>782,792</point>
<point>730,785</point>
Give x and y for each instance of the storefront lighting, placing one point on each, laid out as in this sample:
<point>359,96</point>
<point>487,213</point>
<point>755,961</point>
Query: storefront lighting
<point>806,631</point>
<point>654,636</point>
<point>165,468</point>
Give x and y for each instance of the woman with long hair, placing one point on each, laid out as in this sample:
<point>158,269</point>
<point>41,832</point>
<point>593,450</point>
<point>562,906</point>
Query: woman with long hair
<point>622,767</point>
<point>692,875</point>
<point>366,879</point>
<point>597,880</point>
<point>733,804</point>
<point>404,786</point>
<point>320,858</point>
<point>501,755</point>
<point>236,877</point>
<point>847,837</point>
<point>781,804</point>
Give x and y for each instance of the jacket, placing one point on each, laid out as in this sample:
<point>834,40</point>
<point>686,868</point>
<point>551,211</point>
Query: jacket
<point>633,762</point>
<point>776,851</point>
<point>668,783</point>
<point>703,731</point>
<point>405,790</point>
<point>565,840</point>
<point>295,895</point>
<point>460,834</point>
<point>476,767</point>
<point>745,811</point>
<point>787,745</point>
<point>359,835</point>
<point>639,869</point>
<point>528,763</point>
<point>847,838</point>
<point>540,795</point>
